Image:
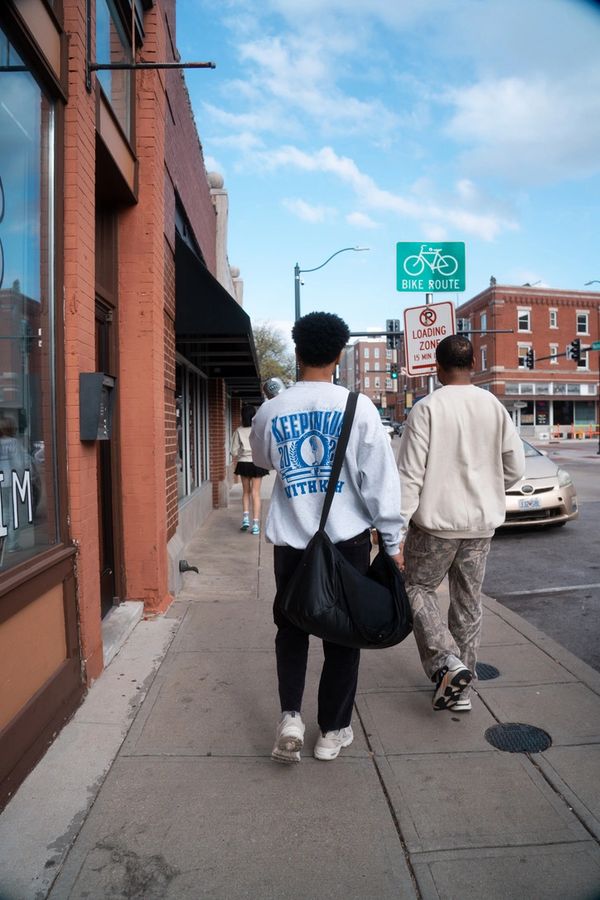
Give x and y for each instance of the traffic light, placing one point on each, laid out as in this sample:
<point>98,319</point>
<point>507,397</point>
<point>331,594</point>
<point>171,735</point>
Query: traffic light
<point>530,358</point>
<point>394,370</point>
<point>392,341</point>
<point>573,350</point>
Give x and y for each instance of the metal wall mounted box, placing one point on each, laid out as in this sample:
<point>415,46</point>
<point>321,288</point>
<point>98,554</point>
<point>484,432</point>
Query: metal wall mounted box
<point>96,402</point>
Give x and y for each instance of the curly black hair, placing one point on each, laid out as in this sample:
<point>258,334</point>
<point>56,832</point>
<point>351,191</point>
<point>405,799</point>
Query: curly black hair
<point>454,352</point>
<point>320,337</point>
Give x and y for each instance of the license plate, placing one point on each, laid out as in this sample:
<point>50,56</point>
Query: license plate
<point>529,504</point>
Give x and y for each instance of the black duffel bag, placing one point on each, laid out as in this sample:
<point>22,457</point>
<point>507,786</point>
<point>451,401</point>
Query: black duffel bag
<point>328,597</point>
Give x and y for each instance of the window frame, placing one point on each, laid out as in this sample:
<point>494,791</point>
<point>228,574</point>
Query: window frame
<point>584,313</point>
<point>524,311</point>
<point>522,346</point>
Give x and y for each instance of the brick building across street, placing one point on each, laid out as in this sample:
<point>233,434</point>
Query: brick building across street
<point>559,396</point>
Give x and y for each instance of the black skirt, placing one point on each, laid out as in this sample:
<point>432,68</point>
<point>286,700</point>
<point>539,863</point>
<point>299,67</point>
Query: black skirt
<point>249,470</point>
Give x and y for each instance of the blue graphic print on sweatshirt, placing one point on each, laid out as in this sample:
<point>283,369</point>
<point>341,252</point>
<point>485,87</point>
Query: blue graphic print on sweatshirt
<point>306,443</point>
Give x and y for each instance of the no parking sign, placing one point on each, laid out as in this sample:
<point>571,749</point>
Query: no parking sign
<point>424,328</point>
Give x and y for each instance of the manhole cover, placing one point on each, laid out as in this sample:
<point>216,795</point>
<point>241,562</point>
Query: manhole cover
<point>517,738</point>
<point>485,672</point>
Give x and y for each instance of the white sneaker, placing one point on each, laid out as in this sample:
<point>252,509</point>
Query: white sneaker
<point>328,745</point>
<point>451,680</point>
<point>463,704</point>
<point>289,738</point>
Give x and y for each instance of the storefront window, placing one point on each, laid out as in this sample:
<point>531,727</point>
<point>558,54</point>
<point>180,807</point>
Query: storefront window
<point>28,492</point>
<point>191,403</point>
<point>112,46</point>
<point>542,412</point>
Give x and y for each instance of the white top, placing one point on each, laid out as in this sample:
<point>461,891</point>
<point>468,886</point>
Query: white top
<point>459,452</point>
<point>296,434</point>
<point>240,444</point>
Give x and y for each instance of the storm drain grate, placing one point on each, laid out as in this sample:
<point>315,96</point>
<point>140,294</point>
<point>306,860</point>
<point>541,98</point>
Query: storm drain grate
<point>515,737</point>
<point>485,672</point>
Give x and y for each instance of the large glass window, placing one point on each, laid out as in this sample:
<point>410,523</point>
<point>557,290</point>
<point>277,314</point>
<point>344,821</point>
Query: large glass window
<point>191,404</point>
<point>28,485</point>
<point>524,320</point>
<point>113,46</point>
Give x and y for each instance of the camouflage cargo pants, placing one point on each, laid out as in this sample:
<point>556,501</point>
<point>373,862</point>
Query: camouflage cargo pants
<point>427,561</point>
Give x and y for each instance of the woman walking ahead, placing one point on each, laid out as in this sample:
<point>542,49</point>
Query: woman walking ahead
<point>249,473</point>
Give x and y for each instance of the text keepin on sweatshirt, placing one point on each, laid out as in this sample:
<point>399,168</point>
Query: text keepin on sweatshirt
<point>306,443</point>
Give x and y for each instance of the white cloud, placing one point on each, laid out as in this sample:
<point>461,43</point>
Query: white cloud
<point>361,220</point>
<point>307,212</point>
<point>486,225</point>
<point>536,130</point>
<point>211,164</point>
<point>244,142</point>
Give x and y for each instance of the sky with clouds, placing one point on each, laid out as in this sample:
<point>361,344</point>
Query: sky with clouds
<point>341,123</point>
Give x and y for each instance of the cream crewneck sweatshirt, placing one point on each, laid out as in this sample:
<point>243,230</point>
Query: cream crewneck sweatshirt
<point>459,452</point>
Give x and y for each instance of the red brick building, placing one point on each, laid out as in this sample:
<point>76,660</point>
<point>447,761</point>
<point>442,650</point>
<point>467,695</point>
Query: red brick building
<point>114,266</point>
<point>366,366</point>
<point>559,396</point>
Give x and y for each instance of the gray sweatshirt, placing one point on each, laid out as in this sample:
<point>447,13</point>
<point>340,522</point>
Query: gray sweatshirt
<point>459,452</point>
<point>296,434</point>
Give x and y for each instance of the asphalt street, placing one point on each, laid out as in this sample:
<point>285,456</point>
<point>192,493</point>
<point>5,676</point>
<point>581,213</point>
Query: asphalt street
<point>550,575</point>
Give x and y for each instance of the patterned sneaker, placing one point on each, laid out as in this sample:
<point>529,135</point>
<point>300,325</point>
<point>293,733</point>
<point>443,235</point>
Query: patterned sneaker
<point>289,738</point>
<point>328,745</point>
<point>245,522</point>
<point>463,704</point>
<point>255,527</point>
<point>451,682</point>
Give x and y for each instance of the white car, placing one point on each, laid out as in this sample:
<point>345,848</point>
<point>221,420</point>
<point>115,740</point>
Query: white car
<point>545,495</point>
<point>387,424</point>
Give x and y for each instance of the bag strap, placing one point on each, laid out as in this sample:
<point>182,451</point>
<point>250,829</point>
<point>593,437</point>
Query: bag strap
<point>338,457</point>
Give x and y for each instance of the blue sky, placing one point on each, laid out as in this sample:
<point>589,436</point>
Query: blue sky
<point>340,123</point>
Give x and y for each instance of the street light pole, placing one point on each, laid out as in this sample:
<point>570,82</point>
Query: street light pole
<point>298,271</point>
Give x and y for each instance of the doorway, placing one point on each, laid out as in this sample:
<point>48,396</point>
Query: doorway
<point>106,519</point>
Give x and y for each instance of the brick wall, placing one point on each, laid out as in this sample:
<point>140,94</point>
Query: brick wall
<point>217,405</point>
<point>183,153</point>
<point>79,284</point>
<point>501,304</point>
<point>144,367</point>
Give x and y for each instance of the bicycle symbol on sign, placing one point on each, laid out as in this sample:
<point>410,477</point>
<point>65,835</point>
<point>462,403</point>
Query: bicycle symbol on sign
<point>432,257</point>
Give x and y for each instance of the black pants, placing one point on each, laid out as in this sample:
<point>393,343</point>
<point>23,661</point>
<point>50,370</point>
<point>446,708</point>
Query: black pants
<point>339,676</point>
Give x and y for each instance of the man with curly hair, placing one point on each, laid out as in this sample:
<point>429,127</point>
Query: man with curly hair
<point>296,434</point>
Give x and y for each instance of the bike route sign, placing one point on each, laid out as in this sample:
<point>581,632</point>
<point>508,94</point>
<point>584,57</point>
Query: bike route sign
<point>424,328</point>
<point>436,266</point>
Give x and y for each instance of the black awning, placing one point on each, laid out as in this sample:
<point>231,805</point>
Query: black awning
<point>212,331</point>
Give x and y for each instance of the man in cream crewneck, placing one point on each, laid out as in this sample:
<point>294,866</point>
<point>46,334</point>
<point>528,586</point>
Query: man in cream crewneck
<point>296,433</point>
<point>459,452</point>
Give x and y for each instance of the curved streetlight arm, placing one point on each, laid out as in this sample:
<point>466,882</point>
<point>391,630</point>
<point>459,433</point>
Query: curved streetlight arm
<point>298,271</point>
<point>595,281</point>
<point>343,250</point>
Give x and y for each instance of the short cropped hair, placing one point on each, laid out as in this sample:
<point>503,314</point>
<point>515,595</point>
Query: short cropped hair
<point>248,413</point>
<point>455,352</point>
<point>320,337</point>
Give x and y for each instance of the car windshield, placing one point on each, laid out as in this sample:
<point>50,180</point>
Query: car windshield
<point>529,450</point>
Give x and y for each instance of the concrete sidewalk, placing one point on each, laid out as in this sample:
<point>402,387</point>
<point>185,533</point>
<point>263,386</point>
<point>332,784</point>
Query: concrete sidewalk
<point>421,805</point>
